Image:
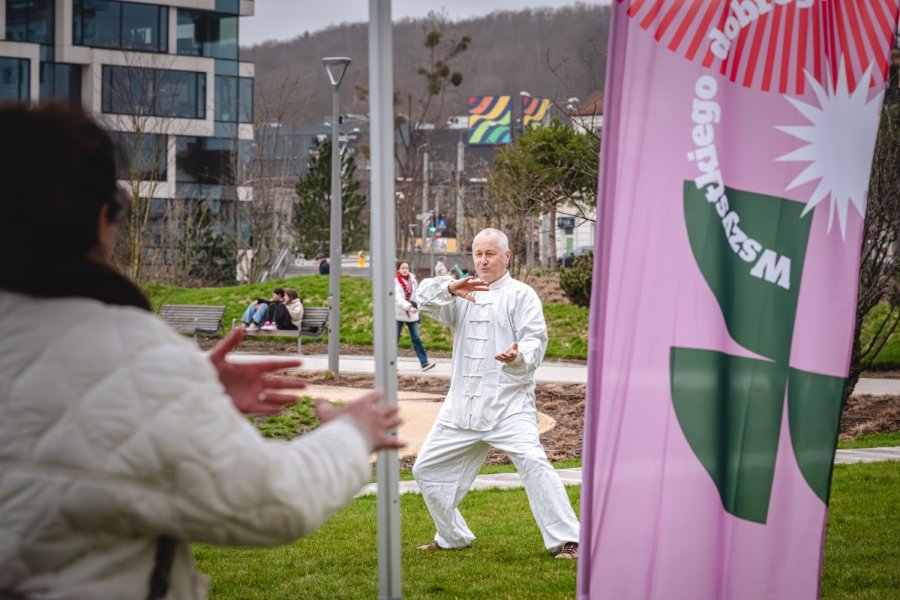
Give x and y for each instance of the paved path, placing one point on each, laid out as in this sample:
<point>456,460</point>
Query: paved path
<point>549,372</point>
<point>573,476</point>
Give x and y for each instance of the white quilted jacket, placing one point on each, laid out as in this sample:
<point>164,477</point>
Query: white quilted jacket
<point>114,430</point>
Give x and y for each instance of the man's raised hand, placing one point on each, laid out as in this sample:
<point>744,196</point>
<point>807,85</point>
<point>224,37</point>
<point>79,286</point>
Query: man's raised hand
<point>464,287</point>
<point>509,354</point>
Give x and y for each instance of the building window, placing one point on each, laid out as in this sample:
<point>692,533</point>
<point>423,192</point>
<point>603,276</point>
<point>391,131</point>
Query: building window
<point>234,99</point>
<point>29,21</point>
<point>204,160</point>
<point>15,79</point>
<point>142,156</point>
<point>60,81</point>
<point>123,25</point>
<point>202,33</point>
<point>154,92</point>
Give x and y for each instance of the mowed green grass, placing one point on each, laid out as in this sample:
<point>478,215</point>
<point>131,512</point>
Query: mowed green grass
<point>874,440</point>
<point>566,324</point>
<point>862,546</point>
<point>889,357</point>
<point>862,553</point>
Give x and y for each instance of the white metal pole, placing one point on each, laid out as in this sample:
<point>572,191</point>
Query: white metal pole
<point>383,242</point>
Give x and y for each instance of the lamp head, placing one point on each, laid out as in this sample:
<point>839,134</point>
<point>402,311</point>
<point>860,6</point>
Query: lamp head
<point>336,66</point>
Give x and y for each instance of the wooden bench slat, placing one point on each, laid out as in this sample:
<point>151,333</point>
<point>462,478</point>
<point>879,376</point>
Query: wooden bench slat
<point>194,318</point>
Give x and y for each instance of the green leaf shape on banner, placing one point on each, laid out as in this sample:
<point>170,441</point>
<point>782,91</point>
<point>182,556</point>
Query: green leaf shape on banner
<point>729,409</point>
<point>814,415</point>
<point>750,249</point>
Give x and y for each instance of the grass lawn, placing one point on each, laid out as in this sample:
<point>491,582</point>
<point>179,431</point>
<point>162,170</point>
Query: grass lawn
<point>862,556</point>
<point>889,357</point>
<point>875,440</point>
<point>567,325</point>
<point>862,547</point>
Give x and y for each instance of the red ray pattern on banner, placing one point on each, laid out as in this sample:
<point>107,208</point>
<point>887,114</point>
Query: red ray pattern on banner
<point>774,49</point>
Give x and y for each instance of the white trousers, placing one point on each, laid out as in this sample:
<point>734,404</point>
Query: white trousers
<point>449,462</point>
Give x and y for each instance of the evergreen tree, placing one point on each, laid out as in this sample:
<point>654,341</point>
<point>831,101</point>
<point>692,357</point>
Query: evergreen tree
<point>312,208</point>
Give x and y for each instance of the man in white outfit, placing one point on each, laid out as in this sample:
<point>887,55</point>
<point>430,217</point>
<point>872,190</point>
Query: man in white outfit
<point>499,339</point>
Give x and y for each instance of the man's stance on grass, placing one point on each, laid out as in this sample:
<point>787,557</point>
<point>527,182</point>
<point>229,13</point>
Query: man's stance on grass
<point>499,339</point>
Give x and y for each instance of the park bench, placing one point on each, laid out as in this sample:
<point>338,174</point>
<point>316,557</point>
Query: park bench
<point>313,326</point>
<point>194,318</point>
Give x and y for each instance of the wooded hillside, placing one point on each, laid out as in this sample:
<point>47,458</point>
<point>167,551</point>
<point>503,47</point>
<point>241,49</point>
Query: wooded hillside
<point>553,54</point>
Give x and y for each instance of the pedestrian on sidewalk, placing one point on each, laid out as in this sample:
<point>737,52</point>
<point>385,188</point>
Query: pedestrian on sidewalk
<point>440,267</point>
<point>407,311</point>
<point>121,443</point>
<point>324,267</point>
<point>499,340</point>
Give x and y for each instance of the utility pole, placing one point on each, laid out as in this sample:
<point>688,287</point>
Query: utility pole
<point>460,212</point>
<point>425,180</point>
<point>434,227</point>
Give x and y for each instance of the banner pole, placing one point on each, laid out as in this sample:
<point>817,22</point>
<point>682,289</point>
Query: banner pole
<point>383,245</point>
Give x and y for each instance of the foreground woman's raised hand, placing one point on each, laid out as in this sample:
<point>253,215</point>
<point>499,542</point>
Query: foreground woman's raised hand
<point>251,392</point>
<point>376,419</point>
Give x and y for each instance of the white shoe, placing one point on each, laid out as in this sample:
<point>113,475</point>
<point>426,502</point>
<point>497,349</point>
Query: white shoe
<point>269,327</point>
<point>428,366</point>
<point>253,327</point>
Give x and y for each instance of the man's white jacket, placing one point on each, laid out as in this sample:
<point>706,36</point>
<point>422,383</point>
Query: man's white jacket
<point>115,430</point>
<point>483,390</point>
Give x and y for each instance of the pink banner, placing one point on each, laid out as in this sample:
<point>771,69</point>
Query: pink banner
<point>735,160</point>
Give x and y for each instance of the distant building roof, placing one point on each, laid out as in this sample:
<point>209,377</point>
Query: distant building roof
<point>593,106</point>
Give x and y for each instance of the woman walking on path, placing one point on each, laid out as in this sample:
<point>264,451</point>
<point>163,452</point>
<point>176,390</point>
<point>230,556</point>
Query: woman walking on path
<point>408,312</point>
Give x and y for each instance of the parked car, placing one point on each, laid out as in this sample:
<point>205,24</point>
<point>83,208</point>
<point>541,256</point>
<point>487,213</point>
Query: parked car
<point>568,259</point>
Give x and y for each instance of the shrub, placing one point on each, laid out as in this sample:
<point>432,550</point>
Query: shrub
<point>576,281</point>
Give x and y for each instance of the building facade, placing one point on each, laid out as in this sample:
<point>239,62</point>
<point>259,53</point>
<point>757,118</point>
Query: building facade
<point>164,76</point>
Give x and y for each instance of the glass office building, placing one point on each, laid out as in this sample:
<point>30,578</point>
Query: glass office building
<point>164,76</point>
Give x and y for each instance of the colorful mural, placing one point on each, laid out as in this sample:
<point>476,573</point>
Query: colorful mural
<point>534,111</point>
<point>490,118</point>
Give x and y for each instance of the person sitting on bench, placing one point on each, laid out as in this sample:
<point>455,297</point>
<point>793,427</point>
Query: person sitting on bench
<point>255,316</point>
<point>285,315</point>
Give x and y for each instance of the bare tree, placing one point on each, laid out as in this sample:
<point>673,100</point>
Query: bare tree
<point>415,109</point>
<point>544,169</point>
<point>878,263</point>
<point>268,165</point>
<point>141,100</point>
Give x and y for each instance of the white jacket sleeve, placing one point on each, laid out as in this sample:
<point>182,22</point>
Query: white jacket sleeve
<point>531,333</point>
<point>436,301</point>
<point>196,469</point>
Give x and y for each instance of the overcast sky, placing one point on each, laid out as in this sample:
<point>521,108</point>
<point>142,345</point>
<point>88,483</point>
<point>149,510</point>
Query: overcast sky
<point>286,19</point>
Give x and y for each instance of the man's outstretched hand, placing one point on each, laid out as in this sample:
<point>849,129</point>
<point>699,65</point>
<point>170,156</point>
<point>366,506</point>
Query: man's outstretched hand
<point>509,354</point>
<point>250,392</point>
<point>375,418</point>
<point>464,287</point>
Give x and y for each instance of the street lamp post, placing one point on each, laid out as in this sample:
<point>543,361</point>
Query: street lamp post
<point>336,67</point>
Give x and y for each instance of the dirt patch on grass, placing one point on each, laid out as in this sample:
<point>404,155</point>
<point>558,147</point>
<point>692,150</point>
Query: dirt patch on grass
<point>565,402</point>
<point>547,288</point>
<point>865,415</point>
